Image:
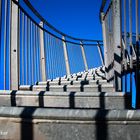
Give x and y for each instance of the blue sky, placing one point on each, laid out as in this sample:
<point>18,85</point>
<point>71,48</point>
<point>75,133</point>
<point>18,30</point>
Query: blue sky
<point>78,18</point>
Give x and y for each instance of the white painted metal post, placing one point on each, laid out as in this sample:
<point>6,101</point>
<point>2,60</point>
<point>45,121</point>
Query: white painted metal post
<point>117,42</point>
<point>66,56</point>
<point>14,69</point>
<point>84,56</point>
<point>100,53</point>
<point>137,20</point>
<point>105,45</point>
<point>42,54</point>
<point>0,12</point>
<point>0,17</point>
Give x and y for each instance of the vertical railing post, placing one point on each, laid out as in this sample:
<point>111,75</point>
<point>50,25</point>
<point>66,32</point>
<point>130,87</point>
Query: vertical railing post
<point>137,57</point>
<point>131,43</point>
<point>0,20</point>
<point>125,37</point>
<point>0,17</point>
<point>14,53</point>
<point>42,54</point>
<point>105,45</point>
<point>66,56</point>
<point>100,53</point>
<point>84,56</point>
<point>117,44</point>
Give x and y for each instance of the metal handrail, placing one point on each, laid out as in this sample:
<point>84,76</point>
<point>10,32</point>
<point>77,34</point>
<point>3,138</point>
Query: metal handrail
<point>68,41</point>
<point>37,50</point>
<point>53,28</point>
<point>102,9</point>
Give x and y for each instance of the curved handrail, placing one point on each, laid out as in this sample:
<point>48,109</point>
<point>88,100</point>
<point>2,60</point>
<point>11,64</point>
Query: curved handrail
<point>68,41</point>
<point>53,28</point>
<point>102,8</point>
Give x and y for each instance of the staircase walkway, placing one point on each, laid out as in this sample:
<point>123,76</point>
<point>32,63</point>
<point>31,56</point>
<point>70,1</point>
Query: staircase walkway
<point>82,90</point>
<point>83,106</point>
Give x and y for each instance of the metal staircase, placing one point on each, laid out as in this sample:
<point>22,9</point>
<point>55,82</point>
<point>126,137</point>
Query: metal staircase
<point>80,106</point>
<point>81,90</point>
<point>38,102</point>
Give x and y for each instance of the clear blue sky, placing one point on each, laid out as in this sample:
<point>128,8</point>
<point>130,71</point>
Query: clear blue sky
<point>78,18</point>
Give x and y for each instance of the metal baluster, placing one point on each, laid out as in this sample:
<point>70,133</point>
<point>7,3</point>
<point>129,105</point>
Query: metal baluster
<point>36,52</point>
<point>19,39</point>
<point>23,31</point>
<point>137,54</point>
<point>9,45</point>
<point>14,47</point>
<point>130,33</point>
<point>49,55</point>
<point>58,57</point>
<point>130,38</point>
<point>1,26</point>
<point>26,47</point>
<point>125,38</point>
<point>117,44</point>
<point>100,53</point>
<point>137,20</point>
<point>84,56</point>
<point>32,53</point>
<point>51,58</point>
<point>104,30</point>
<point>0,17</point>
<point>38,44</point>
<point>29,53</point>
<point>45,52</point>
<point>5,39</point>
<point>61,57</point>
<point>42,54</point>
<point>55,60</point>
<point>66,56</point>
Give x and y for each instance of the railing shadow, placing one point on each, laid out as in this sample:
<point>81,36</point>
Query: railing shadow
<point>13,98</point>
<point>100,118</point>
<point>27,123</point>
<point>103,77</point>
<point>72,100</point>
<point>41,98</point>
<point>26,128</point>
